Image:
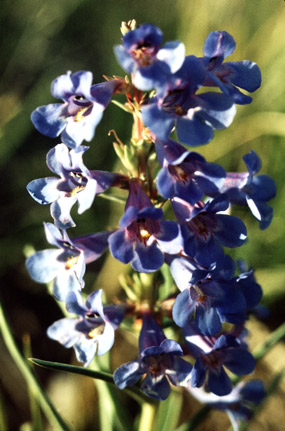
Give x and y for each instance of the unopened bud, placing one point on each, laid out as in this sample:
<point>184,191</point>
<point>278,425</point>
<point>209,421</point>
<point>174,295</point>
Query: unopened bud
<point>128,26</point>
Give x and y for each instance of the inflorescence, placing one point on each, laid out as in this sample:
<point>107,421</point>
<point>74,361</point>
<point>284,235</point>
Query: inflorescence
<point>169,97</point>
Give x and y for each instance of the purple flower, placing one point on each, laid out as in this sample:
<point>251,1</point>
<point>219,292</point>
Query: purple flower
<point>141,55</point>
<point>76,118</point>
<point>93,331</point>
<point>205,230</point>
<point>76,184</point>
<point>246,189</point>
<point>160,360</point>
<point>194,115</point>
<point>143,237</point>
<point>212,297</point>
<point>65,265</point>
<point>182,268</point>
<point>211,357</point>
<point>229,75</point>
<point>250,289</point>
<point>185,174</point>
<point>238,404</point>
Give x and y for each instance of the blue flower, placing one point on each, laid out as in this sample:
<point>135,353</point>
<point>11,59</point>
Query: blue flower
<point>250,289</point>
<point>76,118</point>
<point>238,404</point>
<point>65,265</point>
<point>150,64</point>
<point>212,297</point>
<point>205,230</point>
<point>93,331</point>
<point>182,268</point>
<point>229,75</point>
<point>194,115</point>
<point>211,357</point>
<point>76,184</point>
<point>159,361</point>
<point>245,188</point>
<point>185,174</point>
<point>143,237</point>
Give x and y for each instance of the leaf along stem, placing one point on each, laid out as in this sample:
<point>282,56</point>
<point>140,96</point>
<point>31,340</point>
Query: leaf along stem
<point>35,387</point>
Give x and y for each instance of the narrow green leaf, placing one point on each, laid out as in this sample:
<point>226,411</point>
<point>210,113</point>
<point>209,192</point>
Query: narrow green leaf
<point>133,392</point>
<point>101,375</point>
<point>50,411</point>
<point>169,411</point>
<point>113,413</point>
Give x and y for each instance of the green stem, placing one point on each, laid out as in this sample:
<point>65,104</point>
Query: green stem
<point>120,105</point>
<point>34,403</point>
<point>273,339</point>
<point>147,417</point>
<point>3,419</point>
<point>52,415</point>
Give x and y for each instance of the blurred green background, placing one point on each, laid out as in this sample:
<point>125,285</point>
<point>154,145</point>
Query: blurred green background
<point>41,40</point>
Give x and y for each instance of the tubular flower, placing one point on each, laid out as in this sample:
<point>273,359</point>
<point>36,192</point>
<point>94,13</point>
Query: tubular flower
<point>75,119</point>
<point>232,74</point>
<point>238,404</point>
<point>212,297</point>
<point>185,174</point>
<point>76,184</point>
<point>205,230</point>
<point>143,237</point>
<point>93,331</point>
<point>159,361</point>
<point>195,116</point>
<point>244,188</point>
<point>150,64</point>
<point>65,265</point>
<point>212,355</point>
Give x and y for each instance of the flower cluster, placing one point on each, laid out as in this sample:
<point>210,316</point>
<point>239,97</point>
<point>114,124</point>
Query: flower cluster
<point>168,95</point>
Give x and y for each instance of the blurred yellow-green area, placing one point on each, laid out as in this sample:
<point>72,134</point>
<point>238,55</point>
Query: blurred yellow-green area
<point>41,40</point>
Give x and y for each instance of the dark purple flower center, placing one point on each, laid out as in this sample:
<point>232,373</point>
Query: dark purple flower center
<point>223,72</point>
<point>142,229</point>
<point>202,226</point>
<point>95,323</point>
<point>179,173</point>
<point>91,315</point>
<point>144,54</point>
<point>77,182</point>
<point>156,365</point>
<point>73,183</point>
<point>70,254</point>
<point>212,360</point>
<point>78,108</point>
<point>175,102</point>
<point>212,63</point>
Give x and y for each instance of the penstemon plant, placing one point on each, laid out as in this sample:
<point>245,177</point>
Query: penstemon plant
<point>188,298</point>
